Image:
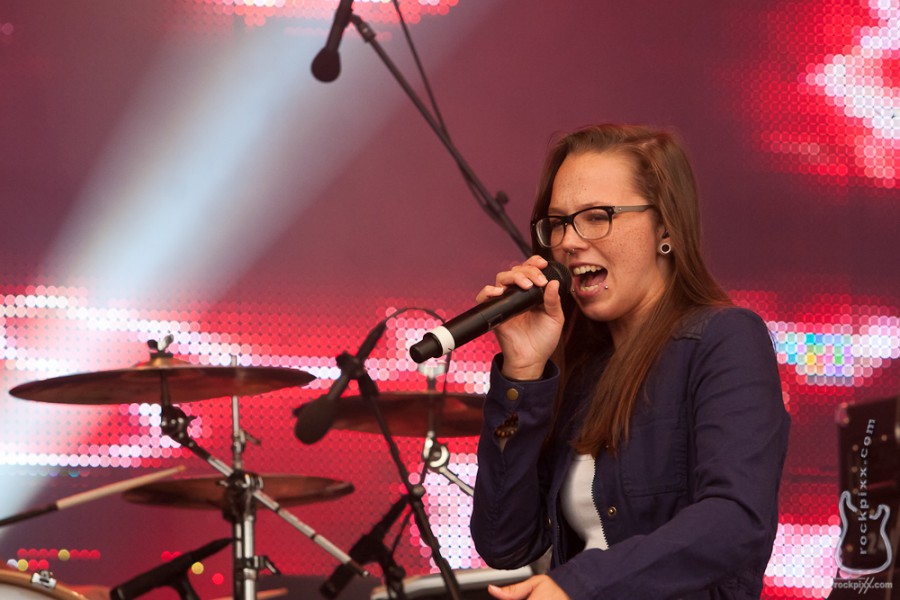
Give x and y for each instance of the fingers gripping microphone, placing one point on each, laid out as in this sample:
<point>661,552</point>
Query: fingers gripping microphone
<point>487,315</point>
<point>327,64</point>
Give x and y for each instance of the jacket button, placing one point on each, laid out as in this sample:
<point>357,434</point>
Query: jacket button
<point>512,394</point>
<point>611,511</point>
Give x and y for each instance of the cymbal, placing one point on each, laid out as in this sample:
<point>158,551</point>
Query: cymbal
<point>143,383</point>
<point>210,492</point>
<point>406,413</point>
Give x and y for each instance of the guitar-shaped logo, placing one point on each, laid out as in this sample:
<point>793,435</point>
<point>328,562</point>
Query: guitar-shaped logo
<point>864,547</point>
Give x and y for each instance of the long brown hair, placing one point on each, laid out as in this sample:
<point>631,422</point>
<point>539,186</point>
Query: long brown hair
<point>663,176</point>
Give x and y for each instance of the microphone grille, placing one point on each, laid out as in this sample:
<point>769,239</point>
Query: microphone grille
<point>314,420</point>
<point>555,271</point>
<point>326,66</point>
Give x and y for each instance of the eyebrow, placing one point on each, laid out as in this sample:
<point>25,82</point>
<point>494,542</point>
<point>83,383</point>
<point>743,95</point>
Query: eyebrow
<point>555,212</point>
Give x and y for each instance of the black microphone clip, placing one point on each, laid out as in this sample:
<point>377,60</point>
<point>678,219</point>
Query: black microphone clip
<point>368,548</point>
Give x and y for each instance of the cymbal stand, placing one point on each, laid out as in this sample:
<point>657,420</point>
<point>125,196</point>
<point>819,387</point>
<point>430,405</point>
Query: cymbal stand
<point>241,512</point>
<point>435,454</point>
<point>243,489</point>
<point>239,435</point>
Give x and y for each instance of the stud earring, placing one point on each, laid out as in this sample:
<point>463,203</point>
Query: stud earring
<point>665,248</point>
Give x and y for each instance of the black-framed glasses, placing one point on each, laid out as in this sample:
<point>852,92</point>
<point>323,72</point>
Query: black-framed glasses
<point>591,223</point>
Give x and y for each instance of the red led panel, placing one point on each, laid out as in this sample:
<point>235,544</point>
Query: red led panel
<point>825,98</point>
<point>829,348</point>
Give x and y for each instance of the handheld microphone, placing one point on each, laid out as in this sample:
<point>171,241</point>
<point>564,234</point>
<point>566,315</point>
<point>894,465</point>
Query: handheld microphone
<point>166,573</point>
<point>479,320</point>
<point>327,64</point>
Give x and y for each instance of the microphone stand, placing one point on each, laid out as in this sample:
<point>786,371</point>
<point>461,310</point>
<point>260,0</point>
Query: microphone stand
<point>414,493</point>
<point>371,547</point>
<point>492,205</point>
<point>315,418</point>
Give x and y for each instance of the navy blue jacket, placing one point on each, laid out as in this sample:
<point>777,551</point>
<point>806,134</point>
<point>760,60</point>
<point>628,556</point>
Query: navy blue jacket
<point>689,505</point>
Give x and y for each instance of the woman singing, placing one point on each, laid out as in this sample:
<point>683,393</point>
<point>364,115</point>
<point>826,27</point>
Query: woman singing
<point>637,427</point>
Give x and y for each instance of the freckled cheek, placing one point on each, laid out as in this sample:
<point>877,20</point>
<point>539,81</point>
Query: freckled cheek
<point>635,250</point>
<point>616,252</point>
<point>626,263</point>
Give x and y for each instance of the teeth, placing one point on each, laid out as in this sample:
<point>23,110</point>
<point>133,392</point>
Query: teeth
<point>585,269</point>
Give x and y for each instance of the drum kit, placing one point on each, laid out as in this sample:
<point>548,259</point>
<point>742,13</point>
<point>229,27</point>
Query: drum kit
<point>237,493</point>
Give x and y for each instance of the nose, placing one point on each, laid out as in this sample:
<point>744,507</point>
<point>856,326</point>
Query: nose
<point>572,242</point>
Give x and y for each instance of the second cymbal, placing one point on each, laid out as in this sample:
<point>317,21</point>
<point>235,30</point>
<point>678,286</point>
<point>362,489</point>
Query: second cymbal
<point>210,491</point>
<point>407,414</point>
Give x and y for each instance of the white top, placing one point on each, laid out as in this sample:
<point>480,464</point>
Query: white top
<point>578,502</point>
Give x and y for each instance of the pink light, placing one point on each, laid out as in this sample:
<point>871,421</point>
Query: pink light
<point>826,101</point>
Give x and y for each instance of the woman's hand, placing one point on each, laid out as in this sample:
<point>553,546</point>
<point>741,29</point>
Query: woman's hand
<point>527,340</point>
<point>539,587</point>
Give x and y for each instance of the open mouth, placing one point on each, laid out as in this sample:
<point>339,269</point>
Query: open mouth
<point>588,277</point>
